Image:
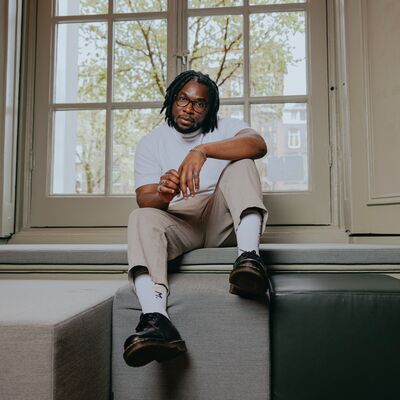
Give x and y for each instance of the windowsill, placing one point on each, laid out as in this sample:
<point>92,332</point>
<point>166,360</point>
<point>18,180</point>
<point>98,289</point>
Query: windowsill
<point>112,258</point>
<point>117,235</point>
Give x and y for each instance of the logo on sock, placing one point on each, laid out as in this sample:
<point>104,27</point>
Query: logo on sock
<point>158,295</point>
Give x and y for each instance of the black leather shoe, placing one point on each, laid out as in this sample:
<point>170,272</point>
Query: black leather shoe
<point>156,338</point>
<point>249,277</point>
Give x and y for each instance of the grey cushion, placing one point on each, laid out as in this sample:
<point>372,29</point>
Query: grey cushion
<point>63,254</point>
<point>55,339</point>
<point>226,336</point>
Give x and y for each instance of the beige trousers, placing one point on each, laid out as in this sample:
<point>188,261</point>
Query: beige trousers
<point>211,220</point>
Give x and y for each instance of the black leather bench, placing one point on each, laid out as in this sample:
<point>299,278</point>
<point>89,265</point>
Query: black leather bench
<point>335,336</point>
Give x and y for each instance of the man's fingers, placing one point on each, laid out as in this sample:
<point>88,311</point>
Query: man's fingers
<point>170,181</point>
<point>173,172</point>
<point>188,179</point>
<point>183,184</point>
<point>165,189</point>
<point>185,179</point>
<point>173,178</point>
<point>174,175</point>
<point>190,183</point>
<point>169,184</point>
<point>196,180</point>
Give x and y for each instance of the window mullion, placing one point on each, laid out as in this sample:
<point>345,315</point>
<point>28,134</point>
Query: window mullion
<point>246,60</point>
<point>182,36</point>
<point>270,8</point>
<point>205,12</point>
<point>173,39</point>
<point>108,141</point>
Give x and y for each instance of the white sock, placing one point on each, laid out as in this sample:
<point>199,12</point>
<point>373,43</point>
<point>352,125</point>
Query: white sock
<point>152,297</point>
<point>248,231</point>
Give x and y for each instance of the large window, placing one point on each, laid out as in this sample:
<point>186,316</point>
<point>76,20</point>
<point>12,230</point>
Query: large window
<point>105,66</point>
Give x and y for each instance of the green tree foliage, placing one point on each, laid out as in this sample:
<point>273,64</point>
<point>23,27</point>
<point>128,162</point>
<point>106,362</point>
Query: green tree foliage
<point>140,60</point>
<point>216,46</point>
<point>129,127</point>
<point>90,152</point>
<point>92,62</point>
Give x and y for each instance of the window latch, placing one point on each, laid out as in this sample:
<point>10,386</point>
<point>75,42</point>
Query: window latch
<point>183,56</point>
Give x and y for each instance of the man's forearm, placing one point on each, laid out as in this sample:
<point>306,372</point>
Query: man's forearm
<point>237,148</point>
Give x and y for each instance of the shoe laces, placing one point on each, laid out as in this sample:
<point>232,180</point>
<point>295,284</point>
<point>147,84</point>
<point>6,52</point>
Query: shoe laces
<point>145,319</point>
<point>249,253</point>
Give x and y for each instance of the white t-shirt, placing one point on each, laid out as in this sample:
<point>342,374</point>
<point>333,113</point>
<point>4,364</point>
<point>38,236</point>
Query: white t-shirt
<point>164,148</point>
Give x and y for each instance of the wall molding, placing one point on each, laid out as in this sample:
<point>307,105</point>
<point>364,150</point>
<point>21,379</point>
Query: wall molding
<point>374,198</point>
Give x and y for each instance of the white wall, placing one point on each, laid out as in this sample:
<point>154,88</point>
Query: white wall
<point>372,33</point>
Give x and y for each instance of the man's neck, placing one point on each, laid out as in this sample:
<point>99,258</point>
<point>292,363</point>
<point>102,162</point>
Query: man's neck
<point>190,135</point>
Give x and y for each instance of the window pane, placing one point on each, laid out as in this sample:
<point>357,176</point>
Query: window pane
<point>129,127</point>
<point>140,60</point>
<point>81,7</point>
<point>214,3</point>
<point>216,47</point>
<point>284,127</point>
<point>231,111</point>
<point>278,54</point>
<point>81,63</point>
<point>79,152</point>
<point>129,6</point>
<point>261,2</point>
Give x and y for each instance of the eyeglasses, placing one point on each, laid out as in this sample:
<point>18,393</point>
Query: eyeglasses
<point>198,105</point>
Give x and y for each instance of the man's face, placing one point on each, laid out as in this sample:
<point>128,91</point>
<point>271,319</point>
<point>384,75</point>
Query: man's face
<point>189,117</point>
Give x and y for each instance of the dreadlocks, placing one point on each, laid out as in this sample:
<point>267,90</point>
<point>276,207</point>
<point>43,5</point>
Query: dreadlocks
<point>210,122</point>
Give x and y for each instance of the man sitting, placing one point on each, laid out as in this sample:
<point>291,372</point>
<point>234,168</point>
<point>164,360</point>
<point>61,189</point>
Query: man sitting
<point>196,186</point>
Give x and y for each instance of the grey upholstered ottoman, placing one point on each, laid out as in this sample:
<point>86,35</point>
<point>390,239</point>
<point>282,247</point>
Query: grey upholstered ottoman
<point>55,339</point>
<point>335,336</point>
<point>226,336</point>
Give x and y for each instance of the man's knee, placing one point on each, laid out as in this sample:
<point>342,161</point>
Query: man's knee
<point>244,163</point>
<point>239,167</point>
<point>146,215</point>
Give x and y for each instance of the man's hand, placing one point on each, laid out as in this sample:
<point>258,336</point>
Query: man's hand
<point>168,187</point>
<point>189,172</point>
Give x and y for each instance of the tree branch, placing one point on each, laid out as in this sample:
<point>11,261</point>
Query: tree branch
<point>221,68</point>
<point>237,65</point>
<point>227,49</point>
<point>195,43</point>
<point>151,58</point>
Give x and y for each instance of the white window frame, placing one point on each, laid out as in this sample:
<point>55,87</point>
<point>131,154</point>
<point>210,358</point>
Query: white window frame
<point>10,52</point>
<point>285,208</point>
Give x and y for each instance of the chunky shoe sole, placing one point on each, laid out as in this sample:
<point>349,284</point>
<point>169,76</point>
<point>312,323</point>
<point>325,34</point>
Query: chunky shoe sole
<point>144,351</point>
<point>247,282</point>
